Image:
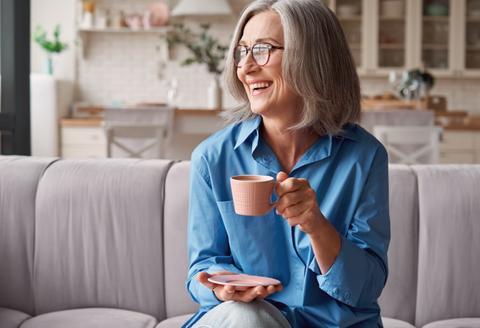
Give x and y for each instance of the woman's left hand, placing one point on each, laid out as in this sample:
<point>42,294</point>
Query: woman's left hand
<point>298,204</point>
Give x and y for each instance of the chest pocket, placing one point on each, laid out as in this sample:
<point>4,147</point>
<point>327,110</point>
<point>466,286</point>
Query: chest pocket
<point>258,244</point>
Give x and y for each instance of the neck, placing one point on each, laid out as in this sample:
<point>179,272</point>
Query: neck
<point>288,145</point>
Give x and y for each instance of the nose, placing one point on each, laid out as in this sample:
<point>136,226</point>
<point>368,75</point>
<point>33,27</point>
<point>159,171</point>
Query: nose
<point>248,65</point>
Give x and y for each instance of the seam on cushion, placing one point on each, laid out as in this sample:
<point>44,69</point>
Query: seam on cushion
<point>55,159</point>
<point>162,234</point>
<point>417,189</point>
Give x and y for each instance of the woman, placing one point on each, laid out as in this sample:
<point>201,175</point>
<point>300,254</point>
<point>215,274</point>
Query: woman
<point>291,69</point>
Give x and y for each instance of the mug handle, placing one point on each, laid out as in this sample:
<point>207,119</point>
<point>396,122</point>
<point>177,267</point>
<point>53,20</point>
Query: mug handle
<point>274,203</point>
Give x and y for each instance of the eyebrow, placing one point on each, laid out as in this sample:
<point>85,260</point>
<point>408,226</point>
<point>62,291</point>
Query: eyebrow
<point>260,40</point>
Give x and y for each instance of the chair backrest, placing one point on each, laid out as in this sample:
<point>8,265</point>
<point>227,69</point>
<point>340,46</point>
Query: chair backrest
<point>121,134</point>
<point>410,144</point>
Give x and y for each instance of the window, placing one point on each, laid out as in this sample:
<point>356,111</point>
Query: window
<point>15,77</point>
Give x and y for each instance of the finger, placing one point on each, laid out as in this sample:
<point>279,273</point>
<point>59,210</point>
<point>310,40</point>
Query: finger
<point>226,293</point>
<point>248,295</point>
<point>202,277</point>
<point>295,211</point>
<point>288,199</point>
<point>282,176</point>
<point>270,290</point>
<point>290,185</point>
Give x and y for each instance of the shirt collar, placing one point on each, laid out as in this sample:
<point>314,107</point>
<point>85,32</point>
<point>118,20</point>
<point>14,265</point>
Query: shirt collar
<point>349,133</point>
<point>247,128</point>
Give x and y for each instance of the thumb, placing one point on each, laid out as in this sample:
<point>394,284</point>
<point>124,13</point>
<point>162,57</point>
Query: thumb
<point>282,176</point>
<point>202,277</point>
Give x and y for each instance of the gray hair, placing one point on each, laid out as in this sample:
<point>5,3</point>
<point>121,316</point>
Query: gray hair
<point>317,65</point>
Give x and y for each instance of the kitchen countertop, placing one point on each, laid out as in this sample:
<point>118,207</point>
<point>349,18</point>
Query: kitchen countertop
<point>97,121</point>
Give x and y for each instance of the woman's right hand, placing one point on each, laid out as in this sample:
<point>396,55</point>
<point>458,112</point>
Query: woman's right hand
<point>231,293</point>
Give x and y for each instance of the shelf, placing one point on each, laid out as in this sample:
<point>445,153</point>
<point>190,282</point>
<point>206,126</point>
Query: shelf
<point>430,46</point>
<point>391,46</point>
<point>349,18</point>
<point>84,32</point>
<point>436,19</point>
<point>473,19</point>
<point>473,48</point>
<point>161,29</point>
<point>355,46</point>
<point>391,19</point>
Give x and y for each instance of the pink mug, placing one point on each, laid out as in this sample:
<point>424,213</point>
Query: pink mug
<point>252,194</point>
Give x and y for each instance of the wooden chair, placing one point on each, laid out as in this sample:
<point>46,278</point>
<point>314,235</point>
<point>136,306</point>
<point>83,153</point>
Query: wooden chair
<point>153,135</point>
<point>410,144</point>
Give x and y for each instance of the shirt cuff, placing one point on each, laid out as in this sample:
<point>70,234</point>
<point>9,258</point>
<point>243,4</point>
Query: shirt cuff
<point>344,280</point>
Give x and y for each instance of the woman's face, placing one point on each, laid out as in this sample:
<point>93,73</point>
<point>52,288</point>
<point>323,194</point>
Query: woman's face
<point>274,97</point>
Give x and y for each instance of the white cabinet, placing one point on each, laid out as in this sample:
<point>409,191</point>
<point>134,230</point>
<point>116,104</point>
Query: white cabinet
<point>445,34</point>
<point>460,147</point>
<point>83,142</point>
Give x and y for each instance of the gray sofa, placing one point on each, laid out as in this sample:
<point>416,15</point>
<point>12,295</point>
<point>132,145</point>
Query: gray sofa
<point>102,243</point>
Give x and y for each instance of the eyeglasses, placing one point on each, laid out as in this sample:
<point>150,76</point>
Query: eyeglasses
<point>260,53</point>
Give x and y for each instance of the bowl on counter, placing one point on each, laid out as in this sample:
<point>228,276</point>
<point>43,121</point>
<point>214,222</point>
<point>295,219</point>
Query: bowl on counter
<point>348,10</point>
<point>436,10</point>
<point>392,8</point>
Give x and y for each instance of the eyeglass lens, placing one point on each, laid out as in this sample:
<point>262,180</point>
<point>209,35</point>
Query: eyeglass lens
<point>260,52</point>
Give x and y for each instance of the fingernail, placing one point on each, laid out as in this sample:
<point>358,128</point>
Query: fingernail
<point>229,291</point>
<point>278,213</point>
<point>258,293</point>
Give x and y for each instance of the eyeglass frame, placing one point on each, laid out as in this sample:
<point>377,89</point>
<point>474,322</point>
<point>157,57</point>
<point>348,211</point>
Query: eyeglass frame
<point>248,49</point>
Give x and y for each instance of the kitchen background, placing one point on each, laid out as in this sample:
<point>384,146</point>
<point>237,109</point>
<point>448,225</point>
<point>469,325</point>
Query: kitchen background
<point>125,67</point>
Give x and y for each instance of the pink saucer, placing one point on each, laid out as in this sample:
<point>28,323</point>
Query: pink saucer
<point>243,280</point>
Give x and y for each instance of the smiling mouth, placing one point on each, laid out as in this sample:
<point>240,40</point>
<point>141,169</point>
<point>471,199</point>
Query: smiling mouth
<point>260,86</point>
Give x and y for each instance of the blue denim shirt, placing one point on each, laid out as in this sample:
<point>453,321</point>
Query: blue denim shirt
<point>350,177</point>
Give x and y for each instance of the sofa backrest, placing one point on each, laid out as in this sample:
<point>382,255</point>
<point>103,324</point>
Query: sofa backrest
<point>19,178</point>
<point>398,299</point>
<point>449,242</point>
<point>178,301</point>
<point>98,236</point>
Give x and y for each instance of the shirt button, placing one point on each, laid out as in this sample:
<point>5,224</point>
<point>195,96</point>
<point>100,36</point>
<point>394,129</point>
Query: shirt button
<point>347,295</point>
<point>336,290</point>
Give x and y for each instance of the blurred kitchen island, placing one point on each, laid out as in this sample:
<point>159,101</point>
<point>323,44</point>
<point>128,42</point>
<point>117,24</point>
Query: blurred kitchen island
<point>84,137</point>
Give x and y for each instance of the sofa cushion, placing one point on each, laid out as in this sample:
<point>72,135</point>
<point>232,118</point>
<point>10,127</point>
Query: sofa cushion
<point>394,323</point>
<point>449,230</point>
<point>178,301</point>
<point>92,318</point>
<point>19,177</point>
<point>11,318</point>
<point>455,323</point>
<point>97,242</point>
<point>175,322</point>
<point>399,295</point>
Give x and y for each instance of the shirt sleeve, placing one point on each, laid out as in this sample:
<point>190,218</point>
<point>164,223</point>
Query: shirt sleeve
<point>360,270</point>
<point>208,248</point>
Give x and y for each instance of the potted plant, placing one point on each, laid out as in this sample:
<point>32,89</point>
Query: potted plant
<point>50,47</point>
<point>205,49</point>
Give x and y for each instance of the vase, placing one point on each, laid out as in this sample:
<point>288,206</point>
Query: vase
<point>214,95</point>
<point>47,65</point>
